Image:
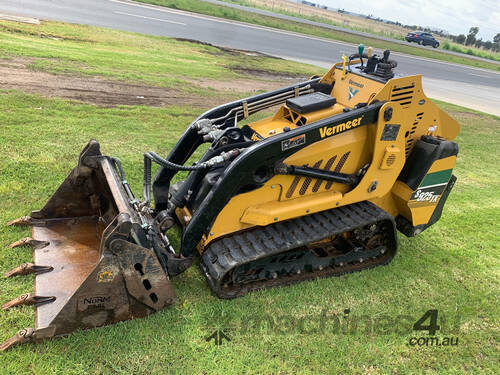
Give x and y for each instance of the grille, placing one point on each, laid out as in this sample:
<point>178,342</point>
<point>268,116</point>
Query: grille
<point>328,165</point>
<point>403,95</point>
<point>317,184</point>
<point>308,180</point>
<point>338,168</point>
<point>410,140</point>
<point>293,186</point>
<point>390,160</point>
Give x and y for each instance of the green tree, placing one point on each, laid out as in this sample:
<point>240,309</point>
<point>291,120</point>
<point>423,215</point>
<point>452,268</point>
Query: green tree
<point>496,43</point>
<point>460,39</point>
<point>471,37</point>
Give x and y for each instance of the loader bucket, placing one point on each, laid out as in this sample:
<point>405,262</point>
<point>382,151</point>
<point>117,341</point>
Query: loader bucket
<point>91,266</point>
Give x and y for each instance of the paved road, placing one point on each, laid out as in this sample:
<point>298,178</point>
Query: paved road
<point>341,29</point>
<point>472,87</point>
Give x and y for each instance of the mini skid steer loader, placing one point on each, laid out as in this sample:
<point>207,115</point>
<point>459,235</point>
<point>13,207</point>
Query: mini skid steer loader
<point>316,190</point>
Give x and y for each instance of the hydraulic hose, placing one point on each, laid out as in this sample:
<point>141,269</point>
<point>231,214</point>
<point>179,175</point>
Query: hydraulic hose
<point>168,164</point>
<point>146,189</point>
<point>118,166</point>
<point>153,156</point>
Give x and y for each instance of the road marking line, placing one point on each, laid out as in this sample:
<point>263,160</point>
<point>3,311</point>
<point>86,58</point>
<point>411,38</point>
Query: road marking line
<point>478,75</point>
<point>186,13</point>
<point>150,18</point>
<point>290,33</point>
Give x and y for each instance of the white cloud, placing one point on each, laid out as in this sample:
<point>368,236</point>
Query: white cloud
<point>455,16</point>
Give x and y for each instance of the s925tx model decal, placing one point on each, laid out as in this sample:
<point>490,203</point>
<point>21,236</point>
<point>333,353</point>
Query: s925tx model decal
<point>431,188</point>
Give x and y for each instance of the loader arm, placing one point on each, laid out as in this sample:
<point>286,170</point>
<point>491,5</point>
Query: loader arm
<point>223,116</point>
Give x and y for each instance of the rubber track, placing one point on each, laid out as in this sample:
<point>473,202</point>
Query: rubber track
<point>225,254</point>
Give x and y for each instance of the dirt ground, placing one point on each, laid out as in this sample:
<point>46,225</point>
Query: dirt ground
<point>14,74</point>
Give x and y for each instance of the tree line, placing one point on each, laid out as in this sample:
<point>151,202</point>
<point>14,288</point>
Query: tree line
<point>471,40</point>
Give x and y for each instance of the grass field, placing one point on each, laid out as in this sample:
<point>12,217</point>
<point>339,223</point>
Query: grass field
<point>243,16</point>
<point>452,267</point>
<point>348,21</point>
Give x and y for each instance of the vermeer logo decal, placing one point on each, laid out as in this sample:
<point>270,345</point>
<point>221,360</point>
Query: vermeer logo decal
<point>293,142</point>
<point>352,92</point>
<point>327,131</point>
<point>354,83</point>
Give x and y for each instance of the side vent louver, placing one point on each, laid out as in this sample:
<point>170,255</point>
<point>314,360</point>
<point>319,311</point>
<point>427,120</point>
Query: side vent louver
<point>328,165</point>
<point>308,180</point>
<point>294,184</point>
<point>411,134</point>
<point>339,166</point>
<point>317,183</point>
<point>403,95</point>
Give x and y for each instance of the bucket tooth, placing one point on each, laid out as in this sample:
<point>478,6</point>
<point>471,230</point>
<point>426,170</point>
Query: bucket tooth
<point>23,220</point>
<point>23,336</point>
<point>28,268</point>
<point>28,299</point>
<point>28,241</point>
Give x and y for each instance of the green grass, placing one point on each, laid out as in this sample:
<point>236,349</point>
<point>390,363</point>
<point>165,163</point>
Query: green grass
<point>243,16</point>
<point>159,61</point>
<point>474,51</point>
<point>453,266</point>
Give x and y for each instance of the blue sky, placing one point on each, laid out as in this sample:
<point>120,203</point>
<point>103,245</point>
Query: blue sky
<point>455,16</point>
